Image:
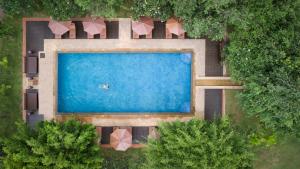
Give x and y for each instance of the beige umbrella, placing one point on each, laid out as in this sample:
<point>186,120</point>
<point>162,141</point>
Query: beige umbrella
<point>143,26</point>
<point>93,27</point>
<point>121,139</point>
<point>59,28</point>
<point>174,26</point>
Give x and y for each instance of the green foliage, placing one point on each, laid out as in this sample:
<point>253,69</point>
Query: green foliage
<point>19,7</point>
<point>62,9</point>
<point>1,152</point>
<point>10,75</point>
<point>104,8</point>
<point>265,55</point>
<point>199,144</point>
<point>3,63</point>
<point>129,159</point>
<point>6,28</point>
<point>161,9</point>
<point>53,145</point>
<point>207,18</point>
<point>260,139</point>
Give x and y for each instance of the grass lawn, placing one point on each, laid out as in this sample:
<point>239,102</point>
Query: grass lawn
<point>284,155</point>
<point>10,107</point>
<point>130,159</point>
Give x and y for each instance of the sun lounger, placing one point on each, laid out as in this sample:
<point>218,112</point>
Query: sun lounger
<point>31,66</point>
<point>105,134</point>
<point>31,100</point>
<point>72,32</point>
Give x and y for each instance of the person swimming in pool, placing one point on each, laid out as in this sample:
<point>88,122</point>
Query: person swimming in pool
<point>105,86</point>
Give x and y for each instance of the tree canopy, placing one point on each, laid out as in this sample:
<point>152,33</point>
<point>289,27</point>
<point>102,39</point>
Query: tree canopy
<point>199,144</point>
<point>53,145</point>
<point>62,9</point>
<point>19,7</point>
<point>265,56</point>
<point>104,8</point>
<point>161,9</point>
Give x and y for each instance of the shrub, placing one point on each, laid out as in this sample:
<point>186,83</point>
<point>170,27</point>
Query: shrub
<point>104,8</point>
<point>19,7</point>
<point>161,9</point>
<point>53,145</point>
<point>199,144</point>
<point>62,9</point>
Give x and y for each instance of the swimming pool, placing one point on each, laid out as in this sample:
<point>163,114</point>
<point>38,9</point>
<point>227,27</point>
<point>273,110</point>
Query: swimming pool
<point>124,82</point>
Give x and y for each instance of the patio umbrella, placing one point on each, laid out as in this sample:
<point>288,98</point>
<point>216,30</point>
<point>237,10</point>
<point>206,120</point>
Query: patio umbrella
<point>174,26</point>
<point>143,26</point>
<point>59,28</point>
<point>93,27</point>
<point>120,139</point>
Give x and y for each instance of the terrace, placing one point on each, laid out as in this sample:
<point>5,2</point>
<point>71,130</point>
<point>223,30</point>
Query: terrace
<point>209,79</point>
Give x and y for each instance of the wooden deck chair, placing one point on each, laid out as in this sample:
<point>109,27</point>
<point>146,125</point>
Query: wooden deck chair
<point>57,36</point>
<point>31,100</point>
<point>135,35</point>
<point>149,35</point>
<point>31,66</point>
<point>168,34</point>
<point>103,34</point>
<point>72,32</point>
<point>182,36</point>
<point>89,36</point>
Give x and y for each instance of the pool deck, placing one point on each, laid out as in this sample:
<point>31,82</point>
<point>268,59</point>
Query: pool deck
<point>207,68</point>
<point>48,80</point>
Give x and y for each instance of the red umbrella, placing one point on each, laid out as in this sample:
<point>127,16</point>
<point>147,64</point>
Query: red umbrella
<point>121,139</point>
<point>59,28</point>
<point>143,26</point>
<point>93,27</point>
<point>174,26</point>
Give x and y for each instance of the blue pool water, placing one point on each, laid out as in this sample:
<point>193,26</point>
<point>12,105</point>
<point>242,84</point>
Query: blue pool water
<point>124,82</point>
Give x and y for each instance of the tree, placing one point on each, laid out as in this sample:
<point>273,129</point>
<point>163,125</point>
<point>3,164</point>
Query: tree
<point>265,56</point>
<point>199,144</point>
<point>207,18</point>
<point>161,9</point>
<point>19,7</point>
<point>104,8</point>
<point>62,9</point>
<point>53,145</point>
